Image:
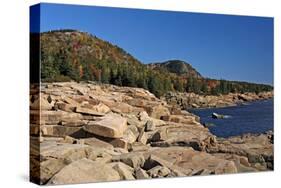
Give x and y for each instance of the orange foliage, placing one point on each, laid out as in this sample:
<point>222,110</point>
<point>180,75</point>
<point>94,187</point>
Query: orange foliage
<point>96,72</point>
<point>80,71</point>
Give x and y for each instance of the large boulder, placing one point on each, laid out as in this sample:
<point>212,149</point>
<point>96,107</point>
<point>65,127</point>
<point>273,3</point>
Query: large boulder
<point>189,159</point>
<point>157,111</point>
<point>85,171</point>
<point>111,125</point>
<point>257,148</point>
<point>176,134</point>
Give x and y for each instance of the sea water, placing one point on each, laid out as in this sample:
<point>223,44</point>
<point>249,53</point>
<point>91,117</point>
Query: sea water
<point>254,117</point>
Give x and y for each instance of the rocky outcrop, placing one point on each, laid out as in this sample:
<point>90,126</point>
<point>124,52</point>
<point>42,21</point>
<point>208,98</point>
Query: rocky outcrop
<point>255,149</point>
<point>90,133</point>
<point>192,100</point>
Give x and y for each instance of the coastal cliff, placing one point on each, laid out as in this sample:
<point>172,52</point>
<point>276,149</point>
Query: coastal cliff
<point>90,132</point>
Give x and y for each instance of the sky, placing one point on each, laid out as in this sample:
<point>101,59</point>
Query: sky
<point>218,46</point>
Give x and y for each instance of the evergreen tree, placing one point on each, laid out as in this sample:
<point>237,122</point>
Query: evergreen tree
<point>105,76</point>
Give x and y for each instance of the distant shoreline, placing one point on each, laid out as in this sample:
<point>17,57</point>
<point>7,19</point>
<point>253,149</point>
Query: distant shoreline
<point>233,105</point>
<point>194,101</point>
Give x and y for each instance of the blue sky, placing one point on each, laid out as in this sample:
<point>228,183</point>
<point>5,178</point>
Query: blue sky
<point>218,46</point>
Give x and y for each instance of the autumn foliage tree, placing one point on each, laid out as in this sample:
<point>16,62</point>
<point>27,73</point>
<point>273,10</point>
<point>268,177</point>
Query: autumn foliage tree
<point>71,55</point>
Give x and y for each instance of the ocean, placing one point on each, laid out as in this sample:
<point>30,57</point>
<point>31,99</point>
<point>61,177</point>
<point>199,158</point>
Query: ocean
<point>254,117</point>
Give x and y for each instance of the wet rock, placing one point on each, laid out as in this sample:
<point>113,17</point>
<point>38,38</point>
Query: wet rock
<point>217,116</point>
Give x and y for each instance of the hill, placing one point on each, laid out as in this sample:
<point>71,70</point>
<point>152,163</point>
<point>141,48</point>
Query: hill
<point>73,55</point>
<point>178,67</point>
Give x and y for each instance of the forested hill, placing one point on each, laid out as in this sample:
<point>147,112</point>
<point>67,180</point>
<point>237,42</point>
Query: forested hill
<point>178,67</point>
<point>74,55</point>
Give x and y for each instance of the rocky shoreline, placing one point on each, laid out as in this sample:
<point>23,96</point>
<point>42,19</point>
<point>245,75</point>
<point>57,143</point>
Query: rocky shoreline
<point>192,100</point>
<point>88,132</point>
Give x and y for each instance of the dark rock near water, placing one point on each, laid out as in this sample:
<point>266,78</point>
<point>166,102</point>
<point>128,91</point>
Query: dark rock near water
<point>217,116</point>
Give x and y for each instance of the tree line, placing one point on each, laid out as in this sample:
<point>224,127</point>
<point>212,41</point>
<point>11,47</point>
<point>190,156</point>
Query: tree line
<point>64,67</point>
<point>63,60</point>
